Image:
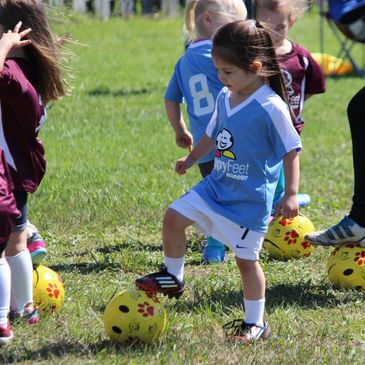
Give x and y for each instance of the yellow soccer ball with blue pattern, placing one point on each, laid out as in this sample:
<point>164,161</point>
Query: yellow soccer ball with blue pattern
<point>48,289</point>
<point>346,267</point>
<point>134,316</point>
<point>285,237</point>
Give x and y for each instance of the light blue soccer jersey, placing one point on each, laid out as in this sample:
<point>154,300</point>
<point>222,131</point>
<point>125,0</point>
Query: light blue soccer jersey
<point>251,141</point>
<point>195,79</point>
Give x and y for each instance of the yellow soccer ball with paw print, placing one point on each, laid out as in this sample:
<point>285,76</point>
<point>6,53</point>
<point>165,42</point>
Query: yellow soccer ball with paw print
<point>285,237</point>
<point>134,316</point>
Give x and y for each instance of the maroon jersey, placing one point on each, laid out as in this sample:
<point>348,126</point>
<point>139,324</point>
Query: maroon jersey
<point>8,211</point>
<point>302,76</point>
<point>22,115</point>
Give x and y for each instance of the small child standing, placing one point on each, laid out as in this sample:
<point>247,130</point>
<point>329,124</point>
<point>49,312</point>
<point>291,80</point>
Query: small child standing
<point>195,80</point>
<point>30,77</point>
<point>253,135</point>
<point>302,75</point>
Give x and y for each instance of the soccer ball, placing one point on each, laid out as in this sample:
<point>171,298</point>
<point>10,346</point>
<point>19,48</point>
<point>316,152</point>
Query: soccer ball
<point>48,290</point>
<point>346,267</point>
<point>134,316</point>
<point>285,237</point>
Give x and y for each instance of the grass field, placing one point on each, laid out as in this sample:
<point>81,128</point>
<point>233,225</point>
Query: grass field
<point>110,177</point>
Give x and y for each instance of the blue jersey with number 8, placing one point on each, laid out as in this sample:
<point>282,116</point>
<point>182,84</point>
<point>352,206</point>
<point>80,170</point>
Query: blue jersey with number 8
<point>195,80</point>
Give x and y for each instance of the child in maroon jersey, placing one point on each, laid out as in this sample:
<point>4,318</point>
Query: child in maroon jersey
<point>30,77</point>
<point>8,214</point>
<point>302,75</point>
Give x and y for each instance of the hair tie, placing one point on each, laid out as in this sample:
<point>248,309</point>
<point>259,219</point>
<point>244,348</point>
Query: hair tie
<point>258,24</point>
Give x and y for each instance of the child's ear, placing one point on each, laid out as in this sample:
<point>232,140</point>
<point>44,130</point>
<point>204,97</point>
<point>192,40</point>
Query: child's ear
<point>206,18</point>
<point>292,20</point>
<point>256,66</point>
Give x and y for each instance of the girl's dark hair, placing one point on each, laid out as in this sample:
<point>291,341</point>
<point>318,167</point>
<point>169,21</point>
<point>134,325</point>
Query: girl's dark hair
<point>44,51</point>
<point>241,43</point>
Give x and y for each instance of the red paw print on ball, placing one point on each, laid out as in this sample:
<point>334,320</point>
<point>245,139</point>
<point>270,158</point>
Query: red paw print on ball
<point>145,309</point>
<point>306,244</point>
<point>291,237</point>
<point>52,290</point>
<point>360,257</point>
<point>152,296</point>
<point>286,222</point>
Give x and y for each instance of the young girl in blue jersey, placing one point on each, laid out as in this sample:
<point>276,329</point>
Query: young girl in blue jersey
<point>253,135</point>
<point>195,80</point>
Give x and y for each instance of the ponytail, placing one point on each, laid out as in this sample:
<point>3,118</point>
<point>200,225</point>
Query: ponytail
<point>189,21</point>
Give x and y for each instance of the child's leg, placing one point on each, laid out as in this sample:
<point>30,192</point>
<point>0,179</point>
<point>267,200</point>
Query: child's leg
<point>215,251</point>
<point>5,282</point>
<point>253,281</point>
<point>174,242</point>
<point>20,262</point>
<point>21,267</point>
<point>170,280</point>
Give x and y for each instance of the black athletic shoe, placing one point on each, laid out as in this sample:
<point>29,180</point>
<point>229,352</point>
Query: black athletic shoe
<point>161,282</point>
<point>239,331</point>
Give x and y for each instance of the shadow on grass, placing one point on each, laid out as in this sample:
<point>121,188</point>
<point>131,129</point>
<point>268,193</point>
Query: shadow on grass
<point>105,91</point>
<point>62,349</point>
<point>135,245</point>
<point>308,296</point>
<point>299,295</point>
<point>117,247</point>
<point>86,267</point>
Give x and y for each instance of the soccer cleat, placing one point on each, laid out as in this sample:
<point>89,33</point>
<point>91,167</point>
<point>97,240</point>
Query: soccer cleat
<point>346,231</point>
<point>240,331</point>
<point>213,255</point>
<point>35,244</point>
<point>161,282</point>
<point>5,334</point>
<point>31,317</point>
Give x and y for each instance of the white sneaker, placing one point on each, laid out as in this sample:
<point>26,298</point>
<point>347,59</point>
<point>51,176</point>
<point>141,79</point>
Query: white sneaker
<point>239,331</point>
<point>346,231</point>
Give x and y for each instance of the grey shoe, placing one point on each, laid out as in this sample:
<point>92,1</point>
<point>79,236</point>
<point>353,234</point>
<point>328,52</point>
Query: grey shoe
<point>346,231</point>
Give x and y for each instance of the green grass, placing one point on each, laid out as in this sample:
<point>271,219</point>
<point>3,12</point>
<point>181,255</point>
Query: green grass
<point>109,180</point>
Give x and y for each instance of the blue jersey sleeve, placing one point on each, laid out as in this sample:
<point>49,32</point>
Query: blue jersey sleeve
<point>173,91</point>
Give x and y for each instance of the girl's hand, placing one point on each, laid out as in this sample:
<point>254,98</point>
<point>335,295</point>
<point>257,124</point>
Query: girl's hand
<point>182,164</point>
<point>180,167</point>
<point>13,39</point>
<point>288,206</point>
<point>184,139</point>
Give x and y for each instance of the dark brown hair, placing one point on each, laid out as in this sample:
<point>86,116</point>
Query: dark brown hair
<point>241,43</point>
<point>44,51</point>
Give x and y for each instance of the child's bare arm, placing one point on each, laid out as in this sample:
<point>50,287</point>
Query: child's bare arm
<point>183,137</point>
<point>288,206</point>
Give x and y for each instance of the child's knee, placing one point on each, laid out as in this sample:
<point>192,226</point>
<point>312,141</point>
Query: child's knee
<point>174,220</point>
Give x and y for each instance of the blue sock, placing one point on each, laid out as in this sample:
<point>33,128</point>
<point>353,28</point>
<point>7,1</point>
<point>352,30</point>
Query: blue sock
<point>213,243</point>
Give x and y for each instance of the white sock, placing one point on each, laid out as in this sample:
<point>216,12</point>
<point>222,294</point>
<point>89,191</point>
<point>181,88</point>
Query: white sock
<point>5,286</point>
<point>175,266</point>
<point>21,279</point>
<point>254,311</point>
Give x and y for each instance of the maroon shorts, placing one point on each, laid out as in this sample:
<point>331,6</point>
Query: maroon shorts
<point>8,210</point>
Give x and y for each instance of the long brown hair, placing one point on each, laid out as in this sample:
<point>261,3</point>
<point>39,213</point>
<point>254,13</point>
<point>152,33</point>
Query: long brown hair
<point>44,51</point>
<point>241,43</point>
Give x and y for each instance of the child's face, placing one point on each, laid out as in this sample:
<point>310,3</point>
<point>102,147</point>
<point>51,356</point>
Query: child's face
<point>279,24</point>
<point>236,79</point>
